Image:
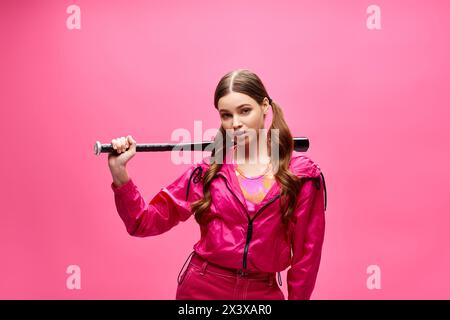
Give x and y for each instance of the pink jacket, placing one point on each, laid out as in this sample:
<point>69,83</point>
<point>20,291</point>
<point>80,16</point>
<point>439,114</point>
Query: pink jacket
<point>231,239</point>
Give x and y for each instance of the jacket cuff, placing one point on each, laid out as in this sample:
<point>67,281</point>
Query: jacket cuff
<point>127,187</point>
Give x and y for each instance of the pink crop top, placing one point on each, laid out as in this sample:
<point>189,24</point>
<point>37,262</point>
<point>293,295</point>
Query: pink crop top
<point>255,188</point>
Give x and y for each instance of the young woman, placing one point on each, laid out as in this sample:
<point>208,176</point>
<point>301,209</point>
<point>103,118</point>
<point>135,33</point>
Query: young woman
<point>259,212</point>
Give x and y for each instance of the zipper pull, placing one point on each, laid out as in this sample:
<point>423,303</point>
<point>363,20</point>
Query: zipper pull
<point>247,242</point>
<point>250,230</point>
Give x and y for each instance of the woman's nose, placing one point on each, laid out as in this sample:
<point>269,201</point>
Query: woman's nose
<point>236,122</point>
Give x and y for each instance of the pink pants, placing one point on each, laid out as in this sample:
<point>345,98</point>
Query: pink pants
<point>205,281</point>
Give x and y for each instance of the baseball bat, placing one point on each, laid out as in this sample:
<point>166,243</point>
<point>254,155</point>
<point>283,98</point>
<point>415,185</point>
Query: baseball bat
<point>301,144</point>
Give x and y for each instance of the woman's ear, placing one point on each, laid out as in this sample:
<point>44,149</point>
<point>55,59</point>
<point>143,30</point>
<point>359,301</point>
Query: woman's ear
<point>266,105</point>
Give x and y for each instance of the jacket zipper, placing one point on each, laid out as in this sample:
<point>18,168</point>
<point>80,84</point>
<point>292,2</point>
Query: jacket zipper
<point>250,231</point>
<point>250,221</point>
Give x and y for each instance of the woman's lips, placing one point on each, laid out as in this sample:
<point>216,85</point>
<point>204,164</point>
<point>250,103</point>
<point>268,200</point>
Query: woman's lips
<point>238,137</point>
<point>239,133</point>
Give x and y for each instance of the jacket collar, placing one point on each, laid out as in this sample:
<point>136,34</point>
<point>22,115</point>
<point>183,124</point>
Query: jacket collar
<point>300,165</point>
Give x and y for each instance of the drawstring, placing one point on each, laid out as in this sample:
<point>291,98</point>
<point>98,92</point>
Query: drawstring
<point>178,279</point>
<point>279,279</point>
<point>198,176</point>
<point>325,189</point>
<point>317,184</point>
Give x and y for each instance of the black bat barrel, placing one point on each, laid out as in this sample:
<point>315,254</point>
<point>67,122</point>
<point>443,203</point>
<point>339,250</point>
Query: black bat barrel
<point>301,144</point>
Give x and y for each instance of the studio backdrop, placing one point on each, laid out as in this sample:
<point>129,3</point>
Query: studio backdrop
<point>367,82</point>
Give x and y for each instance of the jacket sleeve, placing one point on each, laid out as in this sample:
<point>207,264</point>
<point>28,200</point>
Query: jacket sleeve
<point>167,208</point>
<point>307,239</point>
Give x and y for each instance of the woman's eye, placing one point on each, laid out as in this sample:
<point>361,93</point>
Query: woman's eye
<point>244,111</point>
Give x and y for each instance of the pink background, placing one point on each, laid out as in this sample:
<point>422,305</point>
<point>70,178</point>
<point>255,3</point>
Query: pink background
<point>374,104</point>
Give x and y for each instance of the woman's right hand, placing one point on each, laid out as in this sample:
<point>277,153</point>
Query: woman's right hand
<point>125,148</point>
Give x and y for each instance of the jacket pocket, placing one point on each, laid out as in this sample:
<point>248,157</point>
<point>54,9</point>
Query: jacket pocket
<point>284,244</point>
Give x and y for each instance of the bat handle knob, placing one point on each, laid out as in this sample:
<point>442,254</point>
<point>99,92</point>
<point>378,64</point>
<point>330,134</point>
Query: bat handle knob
<point>97,148</point>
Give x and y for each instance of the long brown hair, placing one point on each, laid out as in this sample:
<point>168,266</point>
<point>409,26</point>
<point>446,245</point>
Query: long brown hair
<point>247,82</point>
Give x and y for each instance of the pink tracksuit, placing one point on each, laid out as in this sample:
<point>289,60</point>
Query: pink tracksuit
<point>237,256</point>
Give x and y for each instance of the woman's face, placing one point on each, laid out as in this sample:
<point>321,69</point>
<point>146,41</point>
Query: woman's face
<point>240,112</point>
